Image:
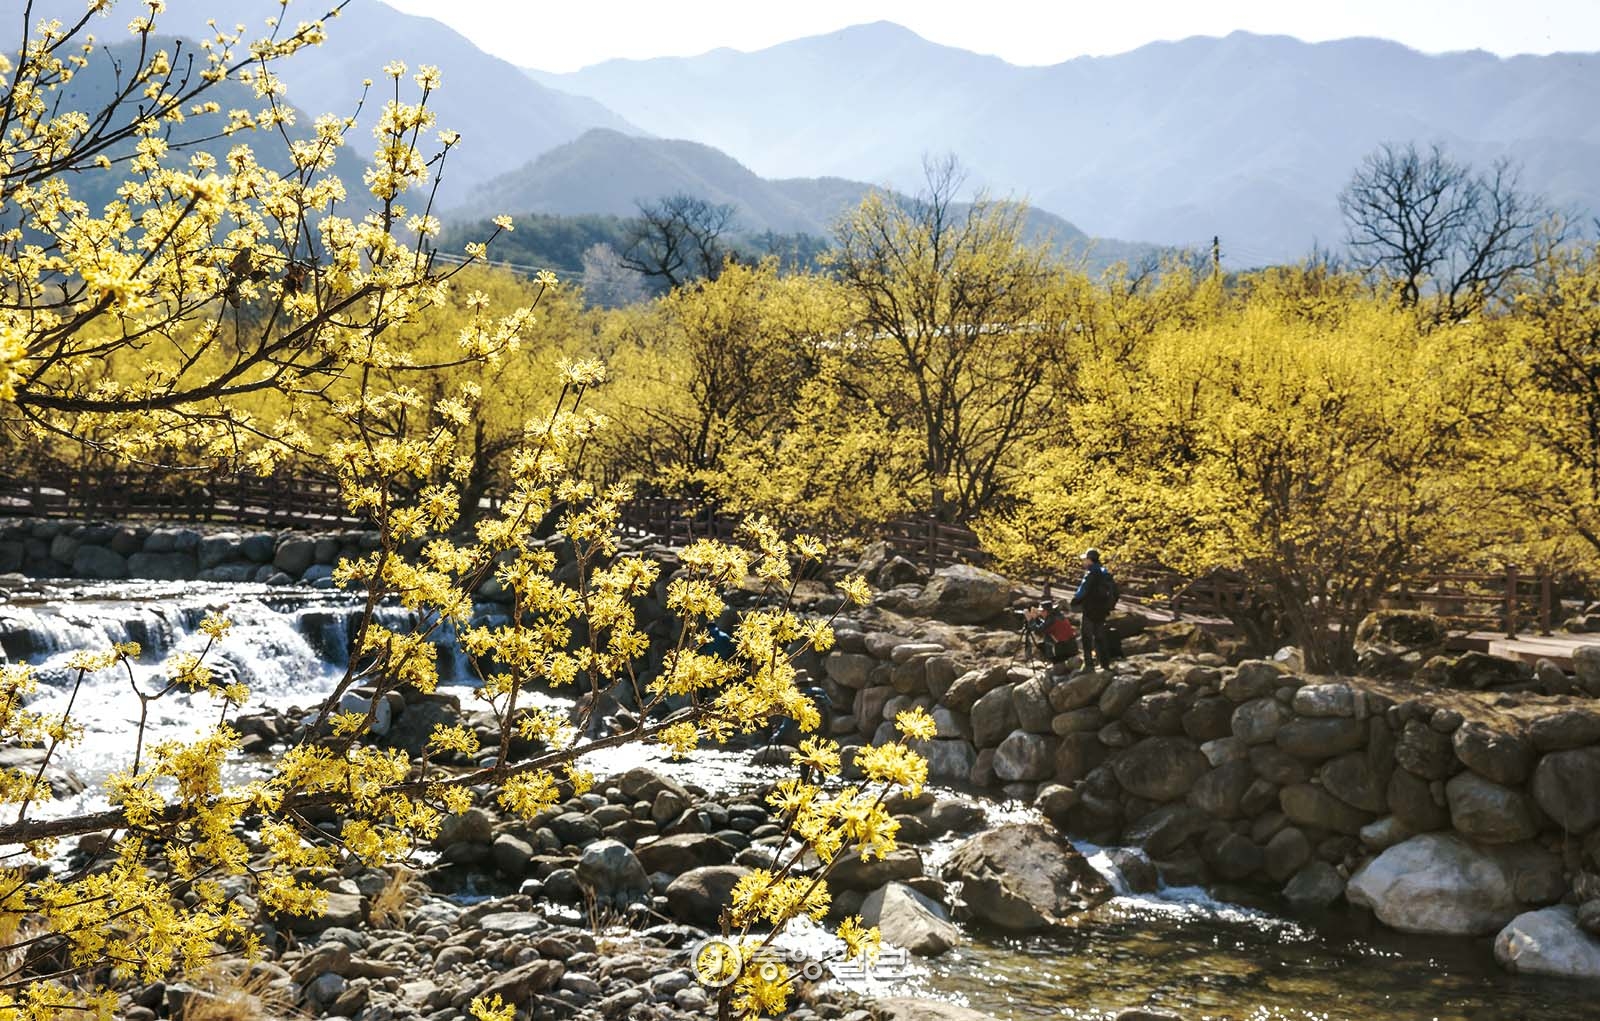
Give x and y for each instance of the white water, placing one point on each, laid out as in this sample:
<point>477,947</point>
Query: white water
<point>287,645</point>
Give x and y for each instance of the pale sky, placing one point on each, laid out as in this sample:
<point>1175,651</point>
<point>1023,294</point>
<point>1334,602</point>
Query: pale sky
<point>563,36</point>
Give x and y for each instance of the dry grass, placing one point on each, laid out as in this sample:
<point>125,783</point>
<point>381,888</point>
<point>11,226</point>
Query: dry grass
<point>392,905</point>
<point>229,994</point>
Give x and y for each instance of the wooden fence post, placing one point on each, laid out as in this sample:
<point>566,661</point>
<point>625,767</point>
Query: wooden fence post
<point>1511,601</point>
<point>1546,602</point>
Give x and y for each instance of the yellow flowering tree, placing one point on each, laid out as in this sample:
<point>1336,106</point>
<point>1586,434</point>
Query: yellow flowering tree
<point>224,312</point>
<point>1321,458</point>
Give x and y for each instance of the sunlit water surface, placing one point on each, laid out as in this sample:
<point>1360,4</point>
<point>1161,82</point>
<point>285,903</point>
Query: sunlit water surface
<point>1179,949</point>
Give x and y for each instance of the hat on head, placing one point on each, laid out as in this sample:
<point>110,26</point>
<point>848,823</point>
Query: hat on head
<point>1092,554</point>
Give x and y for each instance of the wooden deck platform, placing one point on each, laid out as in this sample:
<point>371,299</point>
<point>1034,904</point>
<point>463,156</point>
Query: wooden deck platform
<point>1557,648</point>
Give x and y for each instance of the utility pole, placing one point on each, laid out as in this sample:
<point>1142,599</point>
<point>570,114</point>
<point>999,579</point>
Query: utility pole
<point>1216,255</point>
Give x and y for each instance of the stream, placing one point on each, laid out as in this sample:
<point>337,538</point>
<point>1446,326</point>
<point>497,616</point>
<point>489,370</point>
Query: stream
<point>1177,949</point>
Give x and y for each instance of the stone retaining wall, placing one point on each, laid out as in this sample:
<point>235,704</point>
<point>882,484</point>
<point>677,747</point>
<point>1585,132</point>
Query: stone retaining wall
<point>1444,811</point>
<point>96,551</point>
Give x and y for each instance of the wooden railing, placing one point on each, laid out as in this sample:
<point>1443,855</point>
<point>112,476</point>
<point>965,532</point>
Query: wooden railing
<point>274,501</point>
<point>1511,600</point>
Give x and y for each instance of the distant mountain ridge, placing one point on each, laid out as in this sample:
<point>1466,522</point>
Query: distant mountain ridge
<point>609,173</point>
<point>1247,136</point>
<point>504,117</point>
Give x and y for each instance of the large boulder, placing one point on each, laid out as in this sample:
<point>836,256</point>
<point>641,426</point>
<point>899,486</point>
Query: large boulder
<point>962,594</point>
<point>1025,756</point>
<point>1437,883</point>
<point>1160,768</point>
<point>1548,942</point>
<point>1320,738</point>
<point>1567,786</point>
<point>993,717</point>
<point>1586,665</point>
<point>522,983</point>
<point>910,920</point>
<point>1487,811</point>
<point>1406,629</point>
<point>1309,805</point>
<point>699,895</point>
<point>614,873</point>
<point>850,872</point>
<point>1259,720</point>
<point>1500,756</point>
<point>1025,877</point>
<point>682,852</point>
<point>99,563</point>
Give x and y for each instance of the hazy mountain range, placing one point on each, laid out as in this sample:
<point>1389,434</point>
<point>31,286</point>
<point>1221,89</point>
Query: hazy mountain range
<point>1250,137</point>
<point>504,117</point>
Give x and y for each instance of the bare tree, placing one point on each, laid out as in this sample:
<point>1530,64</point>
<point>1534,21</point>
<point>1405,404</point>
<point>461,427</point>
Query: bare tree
<point>679,238</point>
<point>1438,228</point>
<point>607,282</point>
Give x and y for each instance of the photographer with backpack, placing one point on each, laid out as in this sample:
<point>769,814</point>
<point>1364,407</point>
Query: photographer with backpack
<point>1096,597</point>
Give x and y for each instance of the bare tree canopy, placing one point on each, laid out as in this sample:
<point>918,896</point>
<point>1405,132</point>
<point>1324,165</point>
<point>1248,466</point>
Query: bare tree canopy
<point>1437,227</point>
<point>678,239</point>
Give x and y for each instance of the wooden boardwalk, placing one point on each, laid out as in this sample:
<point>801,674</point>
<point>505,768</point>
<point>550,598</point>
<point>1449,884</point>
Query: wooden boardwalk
<point>1531,648</point>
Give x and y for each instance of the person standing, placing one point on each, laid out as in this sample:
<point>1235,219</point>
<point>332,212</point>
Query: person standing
<point>1096,598</point>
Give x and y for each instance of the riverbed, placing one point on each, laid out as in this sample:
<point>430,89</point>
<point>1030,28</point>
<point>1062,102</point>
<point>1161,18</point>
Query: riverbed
<point>1178,949</point>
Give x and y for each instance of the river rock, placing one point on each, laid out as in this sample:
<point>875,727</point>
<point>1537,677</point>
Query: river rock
<point>1486,811</point>
<point>1425,752</point>
<point>1411,800</point>
<point>948,761</point>
<point>993,717</point>
<point>1025,877</point>
<point>699,895</point>
<point>644,784</point>
<point>474,826</point>
<point>1316,886</point>
<point>343,910</point>
<point>1254,678</point>
<point>1319,738</point>
<point>1287,853</point>
<point>162,566</point>
<point>961,594</point>
<point>522,983</point>
<point>1357,780</point>
<point>1219,792</point>
<point>1159,713</point>
<point>99,563</point>
<point>1566,785</point>
<point>910,920</point>
<point>1209,719</point>
<point>1586,668</point>
<point>1079,691</point>
<point>1495,754</point>
<point>1572,728</point>
<point>293,556</point>
<point>1548,942</point>
<point>1121,693</point>
<point>682,852</point>
<point>1323,700</point>
<point>1309,805</point>
<point>850,872</point>
<point>1024,756</point>
<point>1259,720</point>
<point>907,1008</point>
<point>1031,701</point>
<point>1160,768</point>
<point>1436,883</point>
<point>1167,828</point>
<point>614,873</point>
<point>850,669</point>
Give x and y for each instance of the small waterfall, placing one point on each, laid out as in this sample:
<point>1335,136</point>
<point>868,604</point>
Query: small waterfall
<point>288,646</point>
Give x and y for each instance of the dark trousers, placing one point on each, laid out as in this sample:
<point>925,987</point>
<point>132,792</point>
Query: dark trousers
<point>1096,643</point>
